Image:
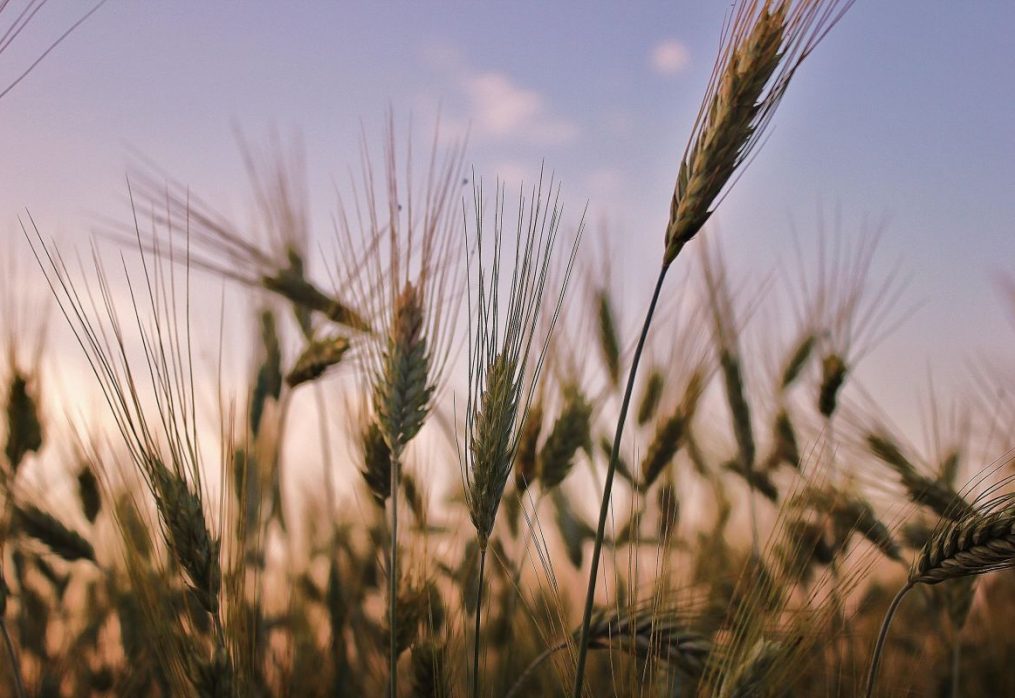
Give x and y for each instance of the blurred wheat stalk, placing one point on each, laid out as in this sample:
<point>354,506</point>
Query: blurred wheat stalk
<point>182,563</point>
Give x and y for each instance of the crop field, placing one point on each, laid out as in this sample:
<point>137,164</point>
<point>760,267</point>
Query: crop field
<point>462,435</point>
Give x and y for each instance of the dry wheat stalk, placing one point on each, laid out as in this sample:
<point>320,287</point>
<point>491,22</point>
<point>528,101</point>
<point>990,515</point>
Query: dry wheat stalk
<point>17,25</point>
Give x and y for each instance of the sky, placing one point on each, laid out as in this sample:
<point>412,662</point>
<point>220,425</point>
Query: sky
<point>901,118</point>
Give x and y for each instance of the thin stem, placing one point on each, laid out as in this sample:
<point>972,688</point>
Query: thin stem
<point>882,635</point>
<point>393,575</point>
<point>604,509</point>
<point>479,613</point>
<point>546,654</point>
<point>752,508</point>
<point>12,656</point>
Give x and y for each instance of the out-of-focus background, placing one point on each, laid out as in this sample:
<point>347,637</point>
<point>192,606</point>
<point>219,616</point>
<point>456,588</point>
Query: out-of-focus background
<point>902,121</point>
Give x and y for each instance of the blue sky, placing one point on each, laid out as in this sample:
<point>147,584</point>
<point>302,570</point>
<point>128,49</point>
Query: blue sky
<point>903,114</point>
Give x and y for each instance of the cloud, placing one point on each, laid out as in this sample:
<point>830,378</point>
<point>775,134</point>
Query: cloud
<point>500,108</point>
<point>670,57</point>
<point>495,106</point>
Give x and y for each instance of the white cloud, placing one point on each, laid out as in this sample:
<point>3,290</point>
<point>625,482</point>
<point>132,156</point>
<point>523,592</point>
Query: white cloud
<point>493,105</point>
<point>500,108</point>
<point>670,57</point>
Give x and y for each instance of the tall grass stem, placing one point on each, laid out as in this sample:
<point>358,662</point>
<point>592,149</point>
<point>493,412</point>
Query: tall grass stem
<point>523,677</point>
<point>872,675</point>
<point>393,576</point>
<point>479,614</point>
<point>604,509</point>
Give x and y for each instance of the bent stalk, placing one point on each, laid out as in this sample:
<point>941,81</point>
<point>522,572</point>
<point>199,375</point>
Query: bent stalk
<point>543,656</point>
<point>608,486</point>
<point>882,635</point>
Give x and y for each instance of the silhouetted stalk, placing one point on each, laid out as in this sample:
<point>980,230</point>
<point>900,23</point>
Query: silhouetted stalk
<point>543,656</point>
<point>396,468</point>
<point>608,485</point>
<point>479,613</point>
<point>872,675</point>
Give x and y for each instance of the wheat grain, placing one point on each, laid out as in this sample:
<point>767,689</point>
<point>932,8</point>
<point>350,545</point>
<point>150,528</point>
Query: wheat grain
<point>570,433</point>
<point>49,530</point>
<point>317,357</point>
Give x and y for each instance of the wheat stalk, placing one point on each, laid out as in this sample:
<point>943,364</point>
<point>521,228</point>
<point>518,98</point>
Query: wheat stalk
<point>503,366</point>
<point>977,543</point>
<point>761,51</point>
<point>644,631</point>
<point>397,256</point>
<point>162,443</point>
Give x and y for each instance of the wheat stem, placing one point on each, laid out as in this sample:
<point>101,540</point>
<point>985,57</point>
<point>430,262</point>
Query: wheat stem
<point>543,656</point>
<point>479,614</point>
<point>393,575</point>
<point>604,509</point>
<point>12,656</point>
<point>882,635</point>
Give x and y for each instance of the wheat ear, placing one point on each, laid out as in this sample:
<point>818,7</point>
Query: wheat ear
<point>764,46</point>
<point>981,542</point>
<point>504,359</point>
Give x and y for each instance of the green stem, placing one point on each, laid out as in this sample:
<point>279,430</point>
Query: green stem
<point>604,509</point>
<point>882,635</point>
<point>12,656</point>
<point>479,613</point>
<point>393,576</point>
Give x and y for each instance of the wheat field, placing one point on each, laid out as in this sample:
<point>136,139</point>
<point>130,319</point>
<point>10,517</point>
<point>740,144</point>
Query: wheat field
<point>509,484</point>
